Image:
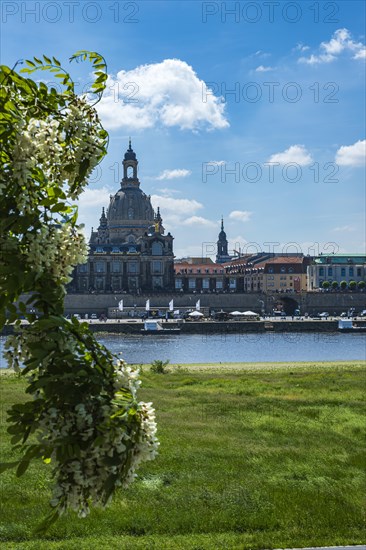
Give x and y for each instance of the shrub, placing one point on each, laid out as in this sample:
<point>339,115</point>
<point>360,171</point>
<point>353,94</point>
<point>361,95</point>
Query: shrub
<point>158,366</point>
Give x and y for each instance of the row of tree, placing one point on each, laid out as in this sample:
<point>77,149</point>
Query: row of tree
<point>343,285</point>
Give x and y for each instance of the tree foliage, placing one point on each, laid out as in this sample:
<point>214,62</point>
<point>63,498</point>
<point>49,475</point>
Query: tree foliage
<point>84,418</point>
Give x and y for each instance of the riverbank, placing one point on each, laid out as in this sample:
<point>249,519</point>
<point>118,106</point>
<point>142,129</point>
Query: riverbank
<point>276,325</point>
<point>252,456</point>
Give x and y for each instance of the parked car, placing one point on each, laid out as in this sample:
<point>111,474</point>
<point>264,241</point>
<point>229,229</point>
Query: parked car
<point>324,315</point>
<point>363,313</point>
<point>93,316</point>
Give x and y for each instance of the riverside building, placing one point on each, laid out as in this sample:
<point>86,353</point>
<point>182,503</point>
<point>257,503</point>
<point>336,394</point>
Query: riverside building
<point>129,251</point>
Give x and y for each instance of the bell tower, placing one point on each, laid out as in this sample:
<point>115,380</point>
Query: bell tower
<point>222,246</point>
<point>130,163</point>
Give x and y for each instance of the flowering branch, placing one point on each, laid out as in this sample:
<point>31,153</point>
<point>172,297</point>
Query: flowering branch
<point>84,418</point>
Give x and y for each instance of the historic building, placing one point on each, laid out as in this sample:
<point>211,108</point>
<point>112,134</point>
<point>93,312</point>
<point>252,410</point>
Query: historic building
<point>336,269</point>
<point>129,252</point>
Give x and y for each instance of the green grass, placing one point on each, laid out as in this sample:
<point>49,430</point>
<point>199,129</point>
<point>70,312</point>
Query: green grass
<point>250,457</point>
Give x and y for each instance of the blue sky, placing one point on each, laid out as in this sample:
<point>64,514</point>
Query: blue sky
<point>250,110</point>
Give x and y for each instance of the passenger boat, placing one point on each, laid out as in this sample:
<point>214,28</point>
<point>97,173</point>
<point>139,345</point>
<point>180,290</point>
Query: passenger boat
<point>347,325</point>
<point>151,326</point>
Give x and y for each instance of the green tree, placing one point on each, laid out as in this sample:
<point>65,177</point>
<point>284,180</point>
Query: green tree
<point>85,414</point>
<point>361,285</point>
<point>343,285</point>
<point>334,285</point>
<point>326,285</point>
<point>352,285</point>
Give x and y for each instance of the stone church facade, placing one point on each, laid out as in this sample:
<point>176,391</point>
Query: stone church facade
<point>129,252</point>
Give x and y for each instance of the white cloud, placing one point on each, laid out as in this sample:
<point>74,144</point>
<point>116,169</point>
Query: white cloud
<point>173,174</point>
<point>341,41</point>
<point>300,47</point>
<point>240,215</point>
<point>168,192</point>
<point>94,197</point>
<point>175,206</point>
<point>295,153</point>
<point>217,162</point>
<point>345,229</point>
<point>351,155</point>
<point>198,220</point>
<point>361,54</point>
<point>168,94</point>
<point>262,69</point>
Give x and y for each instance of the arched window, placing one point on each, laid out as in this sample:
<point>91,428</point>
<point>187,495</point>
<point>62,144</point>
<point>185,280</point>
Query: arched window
<point>157,249</point>
<point>130,171</point>
<point>130,239</point>
<point>130,213</point>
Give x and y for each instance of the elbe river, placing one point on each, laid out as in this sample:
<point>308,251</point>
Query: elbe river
<point>216,348</point>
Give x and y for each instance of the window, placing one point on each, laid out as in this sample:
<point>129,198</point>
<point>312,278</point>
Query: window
<point>358,272</point>
<point>178,284</point>
<point>321,272</point>
<point>205,284</point>
<point>232,283</point>
<point>219,283</point>
<point>115,249</point>
<point>99,250</point>
<point>270,270</point>
<point>330,272</point>
<point>83,268</point>
<point>130,213</point>
<point>198,271</point>
<point>207,271</point>
<point>191,283</point>
<point>115,267</point>
<point>100,267</point>
<point>157,283</point>
<point>290,269</point>
<point>157,249</point>
<point>351,271</point>
<point>343,271</point>
<point>131,239</point>
<point>132,267</point>
<point>283,270</point>
<point>157,267</point>
<point>99,283</point>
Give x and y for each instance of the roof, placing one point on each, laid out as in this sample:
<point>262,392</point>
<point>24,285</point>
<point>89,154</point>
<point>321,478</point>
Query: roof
<point>200,269</point>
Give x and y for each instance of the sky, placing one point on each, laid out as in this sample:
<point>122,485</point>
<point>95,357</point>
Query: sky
<point>254,111</point>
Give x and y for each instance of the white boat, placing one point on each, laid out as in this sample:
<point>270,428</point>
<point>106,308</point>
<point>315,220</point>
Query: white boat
<point>152,326</point>
<point>347,325</point>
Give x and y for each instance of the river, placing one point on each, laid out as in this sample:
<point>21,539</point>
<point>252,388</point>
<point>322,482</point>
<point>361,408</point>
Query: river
<point>216,348</point>
<point>267,347</point>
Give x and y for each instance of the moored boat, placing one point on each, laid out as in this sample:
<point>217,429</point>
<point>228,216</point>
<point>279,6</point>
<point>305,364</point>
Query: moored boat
<point>151,326</point>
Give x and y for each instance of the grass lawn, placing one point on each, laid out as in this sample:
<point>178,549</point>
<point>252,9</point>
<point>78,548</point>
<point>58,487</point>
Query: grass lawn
<point>250,457</point>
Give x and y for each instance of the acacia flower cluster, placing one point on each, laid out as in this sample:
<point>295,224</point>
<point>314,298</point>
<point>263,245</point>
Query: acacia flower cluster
<point>85,416</point>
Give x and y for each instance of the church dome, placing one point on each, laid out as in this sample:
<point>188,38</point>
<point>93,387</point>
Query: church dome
<point>129,204</point>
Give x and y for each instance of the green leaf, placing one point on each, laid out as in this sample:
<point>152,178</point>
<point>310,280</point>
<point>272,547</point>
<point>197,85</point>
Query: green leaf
<point>22,468</point>
<point>46,523</point>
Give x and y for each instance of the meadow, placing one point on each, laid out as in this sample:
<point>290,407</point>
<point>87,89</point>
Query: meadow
<point>251,456</point>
